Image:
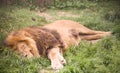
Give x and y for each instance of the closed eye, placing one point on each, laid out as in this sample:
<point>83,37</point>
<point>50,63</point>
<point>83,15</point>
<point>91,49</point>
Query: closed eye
<point>21,40</point>
<point>11,46</point>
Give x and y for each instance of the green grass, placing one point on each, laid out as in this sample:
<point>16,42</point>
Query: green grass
<point>14,18</point>
<point>101,57</point>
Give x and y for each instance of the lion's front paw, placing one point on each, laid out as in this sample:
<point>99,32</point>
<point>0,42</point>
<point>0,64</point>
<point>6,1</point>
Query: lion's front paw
<point>56,65</point>
<point>63,62</point>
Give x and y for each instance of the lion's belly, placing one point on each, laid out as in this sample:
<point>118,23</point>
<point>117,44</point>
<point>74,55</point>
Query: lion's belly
<point>68,39</point>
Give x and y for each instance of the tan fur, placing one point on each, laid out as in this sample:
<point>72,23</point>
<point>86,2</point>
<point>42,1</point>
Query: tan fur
<point>51,40</point>
<point>67,28</point>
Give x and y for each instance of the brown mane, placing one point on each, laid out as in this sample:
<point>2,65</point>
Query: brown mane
<point>45,39</point>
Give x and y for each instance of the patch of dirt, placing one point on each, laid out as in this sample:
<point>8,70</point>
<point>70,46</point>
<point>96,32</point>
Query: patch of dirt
<point>59,14</point>
<point>66,14</point>
<point>45,15</point>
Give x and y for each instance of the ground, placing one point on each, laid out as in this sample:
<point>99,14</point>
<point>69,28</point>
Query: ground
<point>100,57</point>
<point>59,13</point>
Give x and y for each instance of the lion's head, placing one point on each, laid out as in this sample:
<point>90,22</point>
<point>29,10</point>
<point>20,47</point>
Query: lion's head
<point>19,42</point>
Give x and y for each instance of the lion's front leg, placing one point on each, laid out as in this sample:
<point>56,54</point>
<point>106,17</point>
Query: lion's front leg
<point>57,60</point>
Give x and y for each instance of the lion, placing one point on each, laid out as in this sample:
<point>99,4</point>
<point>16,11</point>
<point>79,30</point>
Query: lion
<point>51,40</point>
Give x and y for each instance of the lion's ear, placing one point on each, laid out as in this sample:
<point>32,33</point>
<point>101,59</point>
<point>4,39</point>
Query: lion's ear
<point>19,36</point>
<point>26,34</point>
<point>20,33</point>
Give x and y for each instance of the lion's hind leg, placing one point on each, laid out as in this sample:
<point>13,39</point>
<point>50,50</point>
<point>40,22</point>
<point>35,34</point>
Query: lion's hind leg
<point>88,34</point>
<point>97,35</point>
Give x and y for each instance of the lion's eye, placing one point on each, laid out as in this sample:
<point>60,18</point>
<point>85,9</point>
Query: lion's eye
<point>21,41</point>
<point>15,49</point>
<point>11,46</point>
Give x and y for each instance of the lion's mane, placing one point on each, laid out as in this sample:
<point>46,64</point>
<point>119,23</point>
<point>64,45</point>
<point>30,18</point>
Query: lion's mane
<point>45,39</point>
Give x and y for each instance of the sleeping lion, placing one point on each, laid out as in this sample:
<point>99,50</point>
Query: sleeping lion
<point>51,40</point>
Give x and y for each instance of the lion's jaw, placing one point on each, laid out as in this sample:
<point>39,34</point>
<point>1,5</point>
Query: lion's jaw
<point>23,49</point>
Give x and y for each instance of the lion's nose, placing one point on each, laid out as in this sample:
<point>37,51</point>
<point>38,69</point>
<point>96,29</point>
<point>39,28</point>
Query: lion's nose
<point>4,43</point>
